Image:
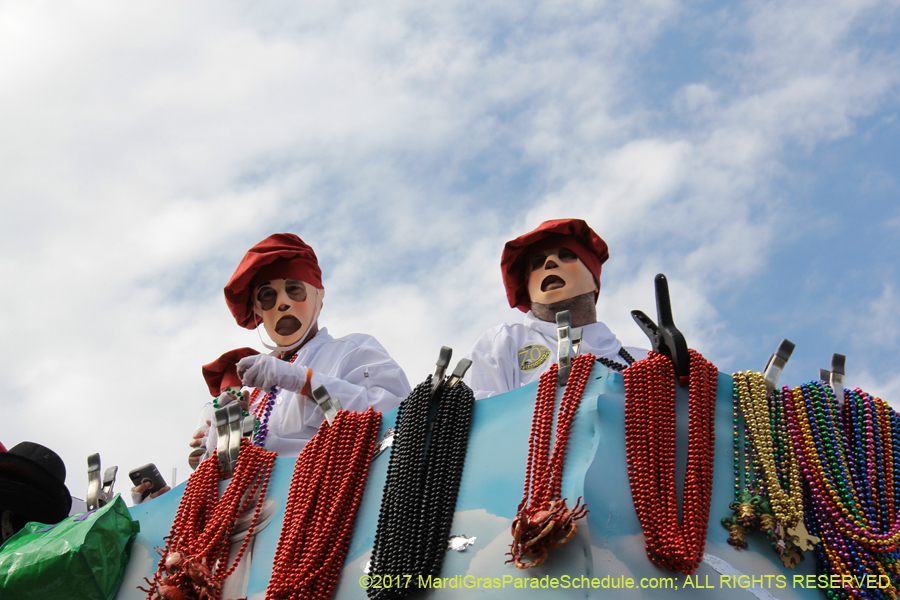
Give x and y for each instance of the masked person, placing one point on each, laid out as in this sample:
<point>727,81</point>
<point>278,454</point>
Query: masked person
<point>556,267</point>
<point>278,285</point>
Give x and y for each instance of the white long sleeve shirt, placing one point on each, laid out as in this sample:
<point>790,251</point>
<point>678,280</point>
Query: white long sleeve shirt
<point>511,355</point>
<point>355,369</point>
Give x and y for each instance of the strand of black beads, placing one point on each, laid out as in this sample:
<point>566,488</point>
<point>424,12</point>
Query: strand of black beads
<point>624,354</point>
<point>461,400</point>
<point>412,502</point>
<point>421,487</point>
<point>396,529</point>
<point>435,484</point>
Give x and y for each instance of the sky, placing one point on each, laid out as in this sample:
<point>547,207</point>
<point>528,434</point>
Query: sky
<point>748,150</point>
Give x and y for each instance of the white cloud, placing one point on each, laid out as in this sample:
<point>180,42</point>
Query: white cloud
<point>145,148</point>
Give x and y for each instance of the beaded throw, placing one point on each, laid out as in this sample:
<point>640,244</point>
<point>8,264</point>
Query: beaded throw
<point>195,560</point>
<point>771,497</point>
<point>325,493</point>
<point>613,365</point>
<point>419,497</point>
<point>671,543</point>
<point>850,460</point>
<point>262,411</point>
<point>543,521</point>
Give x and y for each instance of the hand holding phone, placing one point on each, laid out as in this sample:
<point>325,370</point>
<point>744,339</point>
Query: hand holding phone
<point>148,478</point>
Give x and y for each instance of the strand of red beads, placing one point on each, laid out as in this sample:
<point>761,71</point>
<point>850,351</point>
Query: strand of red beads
<point>326,490</point>
<point>671,543</point>
<point>543,521</point>
<point>199,539</point>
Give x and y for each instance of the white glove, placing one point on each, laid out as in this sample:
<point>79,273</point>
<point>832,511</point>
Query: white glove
<point>264,372</point>
<point>226,398</point>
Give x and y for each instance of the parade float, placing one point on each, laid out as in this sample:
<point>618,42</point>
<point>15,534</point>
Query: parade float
<point>653,477</point>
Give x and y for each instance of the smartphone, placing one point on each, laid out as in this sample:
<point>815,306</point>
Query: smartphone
<point>150,473</point>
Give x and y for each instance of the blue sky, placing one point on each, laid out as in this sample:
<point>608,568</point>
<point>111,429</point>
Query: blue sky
<point>747,150</point>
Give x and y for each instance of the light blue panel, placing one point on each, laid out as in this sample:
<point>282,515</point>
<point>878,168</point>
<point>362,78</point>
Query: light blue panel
<point>617,541</point>
<point>608,548</point>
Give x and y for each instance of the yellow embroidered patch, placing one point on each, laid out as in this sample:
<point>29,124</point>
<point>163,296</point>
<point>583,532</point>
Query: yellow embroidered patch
<point>532,356</point>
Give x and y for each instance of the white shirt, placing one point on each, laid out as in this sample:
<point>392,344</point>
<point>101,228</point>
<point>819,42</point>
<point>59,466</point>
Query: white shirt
<point>355,369</point>
<point>511,355</point>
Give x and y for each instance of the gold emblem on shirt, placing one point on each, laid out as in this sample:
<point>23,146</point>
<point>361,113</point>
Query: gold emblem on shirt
<point>532,356</point>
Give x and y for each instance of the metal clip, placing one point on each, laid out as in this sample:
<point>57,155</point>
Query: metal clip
<point>568,345</point>
<point>100,492</point>
<point>564,350</point>
<point>229,431</point>
<point>440,369</point>
<point>835,377</point>
<point>459,372</point>
<point>330,406</point>
<point>387,440</point>
<point>777,362</point>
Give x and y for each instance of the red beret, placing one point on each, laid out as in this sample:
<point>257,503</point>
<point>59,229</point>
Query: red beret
<point>279,256</point>
<point>222,372</point>
<point>573,234</point>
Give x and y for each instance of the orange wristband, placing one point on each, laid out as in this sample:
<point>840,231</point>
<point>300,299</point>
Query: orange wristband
<point>305,390</point>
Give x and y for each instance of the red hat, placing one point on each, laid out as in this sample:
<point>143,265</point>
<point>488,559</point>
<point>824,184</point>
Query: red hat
<point>222,372</point>
<point>573,234</point>
<point>279,256</point>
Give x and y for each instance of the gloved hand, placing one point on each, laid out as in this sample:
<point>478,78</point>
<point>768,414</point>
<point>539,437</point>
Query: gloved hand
<point>263,371</point>
<point>226,398</point>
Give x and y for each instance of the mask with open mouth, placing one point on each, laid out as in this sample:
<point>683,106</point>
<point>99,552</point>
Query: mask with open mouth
<point>287,308</point>
<point>557,274</point>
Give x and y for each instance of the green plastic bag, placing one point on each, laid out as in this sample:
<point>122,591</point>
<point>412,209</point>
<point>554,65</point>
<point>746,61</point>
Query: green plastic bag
<point>80,558</point>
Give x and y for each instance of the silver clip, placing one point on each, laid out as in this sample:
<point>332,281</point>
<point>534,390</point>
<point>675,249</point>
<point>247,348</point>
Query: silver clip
<point>838,362</point>
<point>235,433</point>
<point>229,431</point>
<point>99,491</point>
<point>248,425</point>
<point>330,406</point>
<point>440,369</point>
<point>387,440</point>
<point>109,481</point>
<point>835,377</point>
<point>221,420</point>
<point>459,372</point>
<point>566,350</point>
<point>777,362</point>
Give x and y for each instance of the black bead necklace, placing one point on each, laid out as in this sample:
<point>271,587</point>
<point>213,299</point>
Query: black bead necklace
<point>613,365</point>
<point>419,497</point>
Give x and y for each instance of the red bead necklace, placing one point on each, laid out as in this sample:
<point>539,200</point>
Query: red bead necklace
<point>650,450</point>
<point>542,520</point>
<point>195,560</point>
<point>325,493</point>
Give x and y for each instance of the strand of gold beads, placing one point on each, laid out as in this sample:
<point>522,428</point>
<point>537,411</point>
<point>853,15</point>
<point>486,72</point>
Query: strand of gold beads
<point>787,506</point>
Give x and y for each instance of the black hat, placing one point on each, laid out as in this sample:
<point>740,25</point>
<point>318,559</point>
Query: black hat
<point>32,484</point>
